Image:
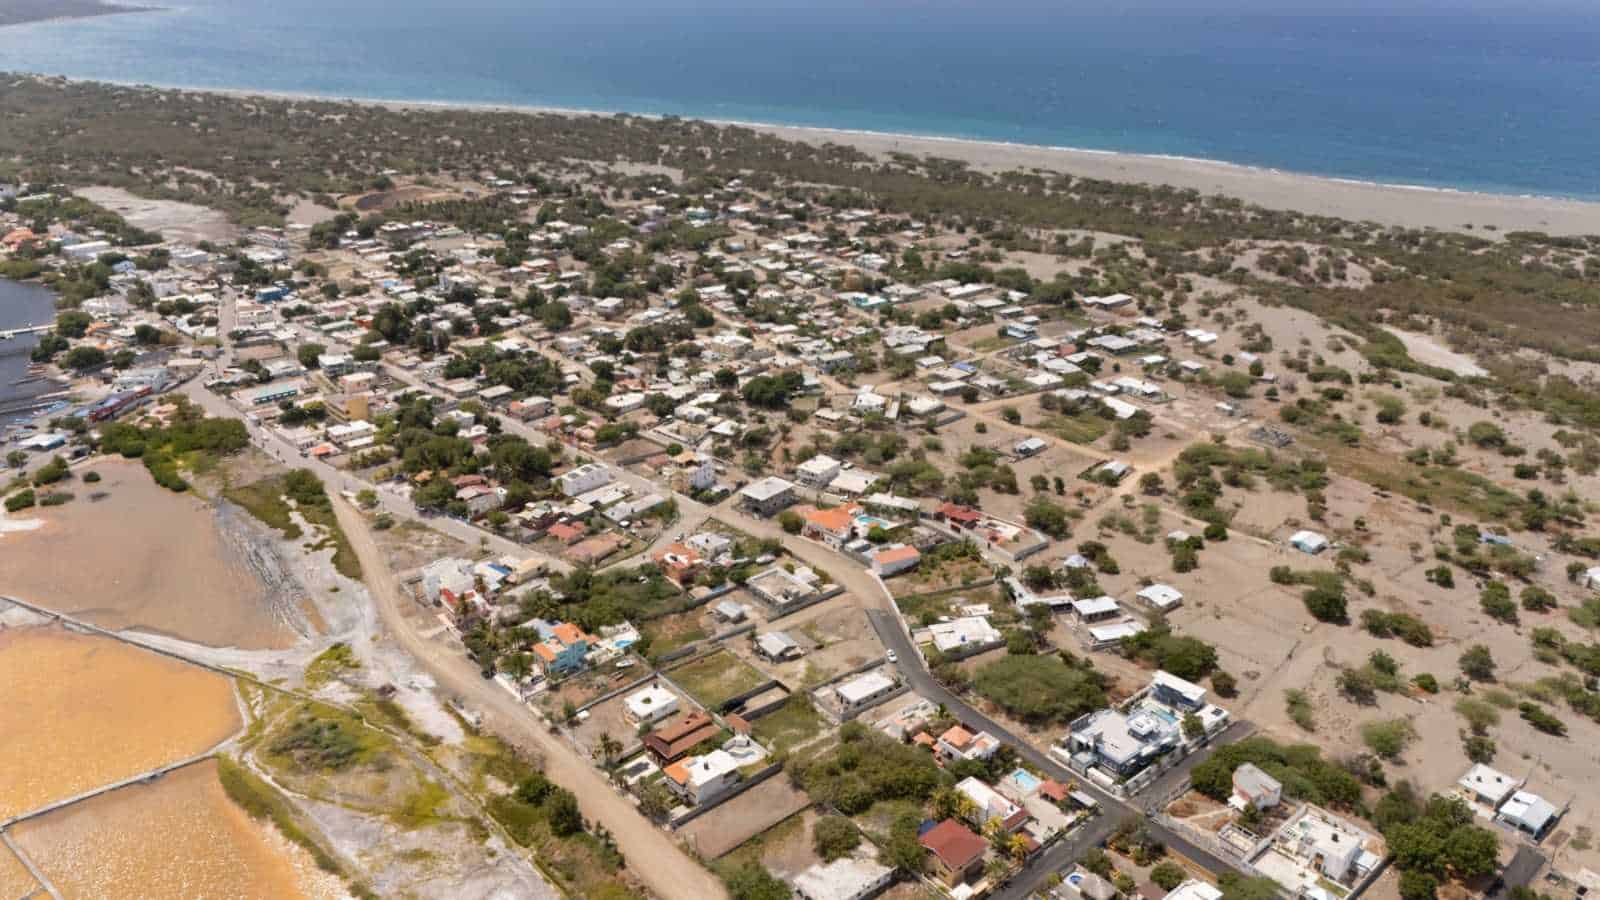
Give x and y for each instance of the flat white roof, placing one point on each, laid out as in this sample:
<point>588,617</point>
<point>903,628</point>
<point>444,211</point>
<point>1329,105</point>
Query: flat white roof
<point>1094,606</point>
<point>864,686</point>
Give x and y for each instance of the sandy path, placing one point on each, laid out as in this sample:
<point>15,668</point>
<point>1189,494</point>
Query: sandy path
<point>651,855</point>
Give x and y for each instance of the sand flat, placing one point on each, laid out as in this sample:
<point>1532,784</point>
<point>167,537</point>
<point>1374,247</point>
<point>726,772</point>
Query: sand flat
<point>14,878</point>
<point>81,712</point>
<point>141,557</point>
<point>178,838</point>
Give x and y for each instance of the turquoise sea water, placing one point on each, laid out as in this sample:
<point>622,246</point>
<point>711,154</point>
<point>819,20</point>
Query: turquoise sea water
<point>1475,94</point>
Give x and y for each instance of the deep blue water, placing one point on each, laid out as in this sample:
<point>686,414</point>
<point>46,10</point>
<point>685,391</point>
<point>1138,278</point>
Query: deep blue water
<point>1490,95</point>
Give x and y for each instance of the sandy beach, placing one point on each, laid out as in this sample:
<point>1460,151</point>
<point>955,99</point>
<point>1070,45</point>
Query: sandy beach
<point>1412,207</point>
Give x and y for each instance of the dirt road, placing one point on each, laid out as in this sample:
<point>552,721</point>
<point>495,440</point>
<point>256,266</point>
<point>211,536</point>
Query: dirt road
<point>651,854</point>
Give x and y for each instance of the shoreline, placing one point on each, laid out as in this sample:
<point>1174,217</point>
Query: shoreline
<point>89,10</point>
<point>1357,200</point>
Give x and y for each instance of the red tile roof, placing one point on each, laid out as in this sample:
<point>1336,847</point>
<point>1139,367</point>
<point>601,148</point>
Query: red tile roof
<point>955,844</point>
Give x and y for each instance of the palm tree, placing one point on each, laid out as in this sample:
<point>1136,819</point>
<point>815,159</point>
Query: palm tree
<point>608,749</point>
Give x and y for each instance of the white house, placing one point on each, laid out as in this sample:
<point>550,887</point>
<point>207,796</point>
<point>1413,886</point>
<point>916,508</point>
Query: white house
<point>864,690</point>
<point>1162,597</point>
<point>584,479</point>
<point>650,704</point>
<point>818,471</point>
<point>1487,786</point>
<point>700,779</point>
<point>1529,813</point>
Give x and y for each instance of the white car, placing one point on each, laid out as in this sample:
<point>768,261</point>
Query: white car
<point>892,656</point>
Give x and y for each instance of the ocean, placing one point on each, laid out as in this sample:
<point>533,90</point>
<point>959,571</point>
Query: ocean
<point>1486,95</point>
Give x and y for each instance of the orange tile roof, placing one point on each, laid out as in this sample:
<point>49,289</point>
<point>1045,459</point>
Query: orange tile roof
<point>677,772</point>
<point>545,652</point>
<point>836,519</point>
<point>568,633</point>
<point>896,554</point>
<point>957,737</point>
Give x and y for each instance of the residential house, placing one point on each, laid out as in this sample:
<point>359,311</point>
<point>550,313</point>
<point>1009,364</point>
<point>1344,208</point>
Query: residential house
<point>584,479</point>
<point>834,527</point>
<point>563,648</point>
<point>1160,597</point>
<point>991,806</point>
<point>778,646</point>
<point>847,878</point>
<point>698,780</point>
<point>892,559</point>
<point>1529,813</point>
<point>767,497</point>
<point>678,562</point>
<point>964,636</point>
<point>864,691</point>
<point>670,743</point>
<point>955,852</point>
<point>957,743</point>
<point>649,704</point>
<point>1487,786</point>
<point>818,471</point>
<point>1253,787</point>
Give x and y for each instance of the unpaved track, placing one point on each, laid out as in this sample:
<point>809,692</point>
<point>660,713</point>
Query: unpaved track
<point>651,854</point>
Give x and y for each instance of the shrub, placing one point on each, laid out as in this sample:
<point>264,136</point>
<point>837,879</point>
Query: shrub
<point>1537,599</point>
<point>1477,663</point>
<point>1299,709</point>
<point>834,837</point>
<point>1167,875</point>
<point>1426,683</point>
<point>20,500</point>
<point>1388,739</point>
<point>1495,598</point>
<point>1224,684</point>
<point>1535,715</point>
<point>1479,714</point>
<point>1327,605</point>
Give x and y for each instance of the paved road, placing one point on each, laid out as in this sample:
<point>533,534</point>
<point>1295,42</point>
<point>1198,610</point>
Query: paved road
<point>1112,809</point>
<point>651,854</point>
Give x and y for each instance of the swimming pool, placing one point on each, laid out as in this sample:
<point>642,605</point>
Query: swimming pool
<point>1025,780</point>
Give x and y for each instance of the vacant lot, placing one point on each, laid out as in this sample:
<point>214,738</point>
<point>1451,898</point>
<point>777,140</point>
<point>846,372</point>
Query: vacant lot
<point>747,815</point>
<point>715,678</point>
<point>795,723</point>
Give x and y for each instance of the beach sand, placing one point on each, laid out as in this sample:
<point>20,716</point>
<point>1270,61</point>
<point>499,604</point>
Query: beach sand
<point>1412,207</point>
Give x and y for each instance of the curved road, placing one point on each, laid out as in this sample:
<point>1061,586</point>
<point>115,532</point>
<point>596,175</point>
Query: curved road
<point>652,856</point>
